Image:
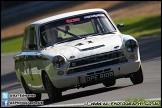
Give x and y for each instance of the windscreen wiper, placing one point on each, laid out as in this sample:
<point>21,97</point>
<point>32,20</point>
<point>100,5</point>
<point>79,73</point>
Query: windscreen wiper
<point>68,33</point>
<point>98,34</point>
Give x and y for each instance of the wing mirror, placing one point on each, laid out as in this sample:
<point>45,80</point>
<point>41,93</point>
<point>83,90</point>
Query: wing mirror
<point>120,25</point>
<point>32,46</point>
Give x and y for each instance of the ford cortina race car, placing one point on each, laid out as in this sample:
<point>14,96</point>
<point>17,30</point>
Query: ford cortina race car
<point>73,50</point>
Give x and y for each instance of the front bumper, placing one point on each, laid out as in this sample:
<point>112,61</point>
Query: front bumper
<point>121,69</point>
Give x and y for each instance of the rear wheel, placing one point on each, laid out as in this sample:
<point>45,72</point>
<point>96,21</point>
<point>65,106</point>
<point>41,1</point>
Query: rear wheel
<point>137,77</point>
<point>28,91</point>
<point>109,82</point>
<point>52,92</point>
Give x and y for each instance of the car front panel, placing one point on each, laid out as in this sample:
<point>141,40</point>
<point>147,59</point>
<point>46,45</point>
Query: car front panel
<point>106,72</point>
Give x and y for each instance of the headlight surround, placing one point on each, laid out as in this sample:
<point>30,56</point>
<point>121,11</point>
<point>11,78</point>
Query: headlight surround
<point>131,45</point>
<point>58,62</point>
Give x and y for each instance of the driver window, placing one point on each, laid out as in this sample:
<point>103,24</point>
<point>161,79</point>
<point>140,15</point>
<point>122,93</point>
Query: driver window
<point>33,38</point>
<point>26,39</point>
<point>49,37</point>
<point>29,38</point>
<point>52,37</point>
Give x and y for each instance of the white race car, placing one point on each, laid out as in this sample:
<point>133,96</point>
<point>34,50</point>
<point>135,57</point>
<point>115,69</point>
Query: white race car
<point>73,50</point>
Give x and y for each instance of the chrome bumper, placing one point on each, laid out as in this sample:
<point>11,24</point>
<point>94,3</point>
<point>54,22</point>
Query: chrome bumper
<point>80,77</point>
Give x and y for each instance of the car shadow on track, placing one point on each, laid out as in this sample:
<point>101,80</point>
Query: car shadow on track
<point>9,82</point>
<point>8,78</point>
<point>12,87</point>
<point>85,93</point>
<point>81,94</point>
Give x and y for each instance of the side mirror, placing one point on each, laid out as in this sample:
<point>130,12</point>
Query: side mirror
<point>120,25</point>
<point>32,46</point>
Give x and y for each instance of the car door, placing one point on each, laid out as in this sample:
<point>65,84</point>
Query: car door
<point>24,56</point>
<point>33,73</point>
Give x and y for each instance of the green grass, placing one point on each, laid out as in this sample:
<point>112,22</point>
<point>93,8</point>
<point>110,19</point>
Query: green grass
<point>11,44</point>
<point>141,26</point>
<point>135,26</point>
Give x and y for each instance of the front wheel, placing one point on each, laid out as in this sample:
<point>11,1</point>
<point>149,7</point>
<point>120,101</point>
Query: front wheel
<point>137,77</point>
<point>28,91</point>
<point>52,92</point>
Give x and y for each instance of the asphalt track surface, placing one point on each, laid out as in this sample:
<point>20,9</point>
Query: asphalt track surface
<point>150,50</point>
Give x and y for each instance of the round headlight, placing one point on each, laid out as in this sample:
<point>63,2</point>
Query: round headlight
<point>58,61</point>
<point>131,45</point>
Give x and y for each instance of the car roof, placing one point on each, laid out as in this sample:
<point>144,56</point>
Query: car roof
<point>67,14</point>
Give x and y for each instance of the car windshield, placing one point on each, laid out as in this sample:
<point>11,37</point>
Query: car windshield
<point>75,27</point>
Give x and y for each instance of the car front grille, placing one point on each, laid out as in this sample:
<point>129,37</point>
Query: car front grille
<point>96,61</point>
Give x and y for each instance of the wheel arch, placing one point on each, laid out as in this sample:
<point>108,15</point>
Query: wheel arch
<point>22,80</point>
<point>43,80</point>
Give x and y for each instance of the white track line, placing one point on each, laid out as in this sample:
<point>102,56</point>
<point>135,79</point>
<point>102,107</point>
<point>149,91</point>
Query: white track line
<point>154,99</point>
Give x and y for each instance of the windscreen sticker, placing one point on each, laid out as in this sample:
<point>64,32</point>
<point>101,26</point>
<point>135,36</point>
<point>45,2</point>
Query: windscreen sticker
<point>72,20</point>
<point>94,16</point>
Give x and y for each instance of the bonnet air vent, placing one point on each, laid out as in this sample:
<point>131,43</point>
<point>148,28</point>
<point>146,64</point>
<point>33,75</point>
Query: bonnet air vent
<point>89,41</point>
<point>92,48</point>
<point>78,44</point>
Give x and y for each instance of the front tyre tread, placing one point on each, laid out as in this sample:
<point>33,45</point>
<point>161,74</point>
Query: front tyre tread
<point>52,92</point>
<point>137,77</point>
<point>28,91</point>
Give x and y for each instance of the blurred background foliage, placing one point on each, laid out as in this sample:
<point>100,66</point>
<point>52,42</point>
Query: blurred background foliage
<point>140,18</point>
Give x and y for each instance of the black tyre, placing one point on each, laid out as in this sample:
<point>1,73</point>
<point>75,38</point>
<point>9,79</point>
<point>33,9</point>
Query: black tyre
<point>110,82</point>
<point>52,92</point>
<point>28,91</point>
<point>137,77</point>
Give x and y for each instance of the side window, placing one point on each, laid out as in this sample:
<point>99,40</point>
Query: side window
<point>33,39</point>
<point>30,40</point>
<point>26,40</point>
